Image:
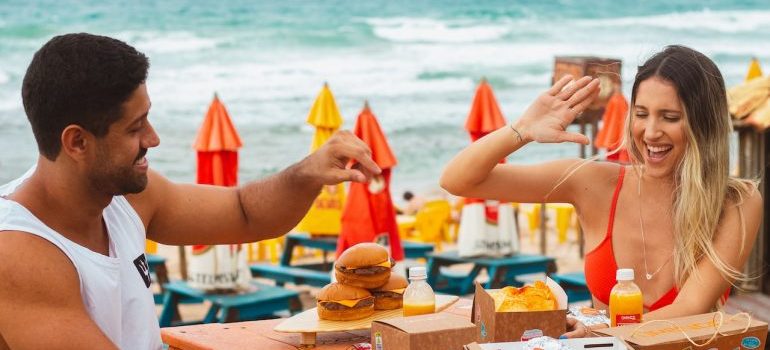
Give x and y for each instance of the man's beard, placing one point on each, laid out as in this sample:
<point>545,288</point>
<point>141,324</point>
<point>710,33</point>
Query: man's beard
<point>117,180</point>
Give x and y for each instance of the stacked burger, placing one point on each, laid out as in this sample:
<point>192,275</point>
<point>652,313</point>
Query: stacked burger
<point>365,284</point>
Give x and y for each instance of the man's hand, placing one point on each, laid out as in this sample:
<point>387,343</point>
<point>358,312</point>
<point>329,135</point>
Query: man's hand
<point>329,165</point>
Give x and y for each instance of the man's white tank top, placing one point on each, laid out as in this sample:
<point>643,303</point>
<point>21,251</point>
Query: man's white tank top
<point>116,288</point>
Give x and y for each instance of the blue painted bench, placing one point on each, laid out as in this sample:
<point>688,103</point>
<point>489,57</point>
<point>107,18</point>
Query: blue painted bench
<point>502,271</point>
<point>297,275</point>
<point>412,250</point>
<point>258,304</point>
<point>574,284</point>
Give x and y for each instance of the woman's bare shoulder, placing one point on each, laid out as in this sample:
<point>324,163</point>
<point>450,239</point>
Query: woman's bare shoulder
<point>599,174</point>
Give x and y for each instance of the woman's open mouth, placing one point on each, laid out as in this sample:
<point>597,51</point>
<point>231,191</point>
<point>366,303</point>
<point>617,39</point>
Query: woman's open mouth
<point>658,153</point>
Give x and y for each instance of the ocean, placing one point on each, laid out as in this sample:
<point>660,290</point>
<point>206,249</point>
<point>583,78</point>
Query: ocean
<point>416,62</point>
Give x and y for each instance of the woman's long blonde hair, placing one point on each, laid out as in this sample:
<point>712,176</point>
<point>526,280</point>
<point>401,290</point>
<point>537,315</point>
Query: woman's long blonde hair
<point>703,182</point>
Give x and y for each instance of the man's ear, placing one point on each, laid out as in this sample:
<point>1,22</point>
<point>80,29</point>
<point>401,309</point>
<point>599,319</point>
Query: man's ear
<point>75,141</point>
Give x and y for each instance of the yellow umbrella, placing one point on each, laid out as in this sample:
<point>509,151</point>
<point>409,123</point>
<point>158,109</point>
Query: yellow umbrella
<point>325,214</point>
<point>754,70</point>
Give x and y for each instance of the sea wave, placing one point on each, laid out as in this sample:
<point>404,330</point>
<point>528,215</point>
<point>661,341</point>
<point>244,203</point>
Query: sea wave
<point>4,77</point>
<point>166,42</point>
<point>707,20</point>
<point>412,29</point>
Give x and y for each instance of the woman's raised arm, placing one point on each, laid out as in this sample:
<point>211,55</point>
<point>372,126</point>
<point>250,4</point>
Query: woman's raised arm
<point>475,171</point>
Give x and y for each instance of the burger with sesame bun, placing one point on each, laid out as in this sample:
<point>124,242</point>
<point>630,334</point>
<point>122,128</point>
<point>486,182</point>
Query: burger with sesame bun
<point>391,295</point>
<point>338,302</point>
<point>365,265</point>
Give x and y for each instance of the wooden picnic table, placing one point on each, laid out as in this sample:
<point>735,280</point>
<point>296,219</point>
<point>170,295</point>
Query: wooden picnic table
<point>502,270</point>
<point>259,335</point>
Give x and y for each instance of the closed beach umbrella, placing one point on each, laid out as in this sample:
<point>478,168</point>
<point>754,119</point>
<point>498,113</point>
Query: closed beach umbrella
<point>754,70</point>
<point>325,214</point>
<point>485,115</point>
<point>486,227</point>
<point>613,122</point>
<point>217,147</point>
<point>369,215</point>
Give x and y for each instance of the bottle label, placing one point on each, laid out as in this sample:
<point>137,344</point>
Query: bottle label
<point>628,319</point>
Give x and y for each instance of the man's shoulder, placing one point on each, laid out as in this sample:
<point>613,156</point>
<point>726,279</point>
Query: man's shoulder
<point>31,262</point>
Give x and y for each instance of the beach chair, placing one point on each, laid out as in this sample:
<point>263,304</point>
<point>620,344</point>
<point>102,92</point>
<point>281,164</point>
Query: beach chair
<point>564,219</point>
<point>432,223</point>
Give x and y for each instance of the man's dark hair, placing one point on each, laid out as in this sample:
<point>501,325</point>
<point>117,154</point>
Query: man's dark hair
<point>80,79</point>
<point>408,196</point>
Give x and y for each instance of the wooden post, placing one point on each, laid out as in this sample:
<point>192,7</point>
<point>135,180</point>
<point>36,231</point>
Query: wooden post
<point>183,263</point>
<point>608,71</point>
<point>752,164</point>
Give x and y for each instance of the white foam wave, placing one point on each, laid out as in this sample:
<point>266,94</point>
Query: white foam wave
<point>406,29</point>
<point>4,77</point>
<point>707,20</point>
<point>166,42</point>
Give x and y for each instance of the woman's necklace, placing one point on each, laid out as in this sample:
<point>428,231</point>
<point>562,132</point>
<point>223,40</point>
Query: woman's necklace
<point>647,273</point>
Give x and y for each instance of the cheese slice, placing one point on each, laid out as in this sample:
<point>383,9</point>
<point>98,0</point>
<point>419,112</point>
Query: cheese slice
<point>348,302</point>
<point>386,263</point>
<point>399,291</point>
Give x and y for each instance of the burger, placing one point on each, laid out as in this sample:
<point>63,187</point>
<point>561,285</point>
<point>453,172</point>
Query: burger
<point>365,265</point>
<point>391,295</point>
<point>338,302</point>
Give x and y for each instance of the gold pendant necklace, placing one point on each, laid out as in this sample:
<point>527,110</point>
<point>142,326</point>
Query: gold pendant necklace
<point>647,273</point>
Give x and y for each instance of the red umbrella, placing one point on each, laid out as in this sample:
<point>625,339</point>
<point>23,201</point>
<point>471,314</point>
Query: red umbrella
<point>484,117</point>
<point>369,215</point>
<point>217,145</point>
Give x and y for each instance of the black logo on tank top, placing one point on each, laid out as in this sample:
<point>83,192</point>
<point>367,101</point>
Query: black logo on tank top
<point>144,270</point>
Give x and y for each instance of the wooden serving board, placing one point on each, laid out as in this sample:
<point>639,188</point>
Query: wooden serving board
<point>308,324</point>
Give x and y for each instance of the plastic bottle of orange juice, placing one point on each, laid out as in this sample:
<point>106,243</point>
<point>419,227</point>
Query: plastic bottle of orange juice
<point>418,296</point>
<point>626,302</point>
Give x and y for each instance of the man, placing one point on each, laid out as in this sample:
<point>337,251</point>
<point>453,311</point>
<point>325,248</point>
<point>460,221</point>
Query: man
<point>72,229</point>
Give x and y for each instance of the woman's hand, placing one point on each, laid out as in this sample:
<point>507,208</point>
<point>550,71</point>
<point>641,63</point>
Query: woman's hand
<point>546,120</point>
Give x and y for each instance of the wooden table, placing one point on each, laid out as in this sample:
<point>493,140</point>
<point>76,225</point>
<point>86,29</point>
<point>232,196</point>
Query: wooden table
<point>259,335</point>
<point>502,271</point>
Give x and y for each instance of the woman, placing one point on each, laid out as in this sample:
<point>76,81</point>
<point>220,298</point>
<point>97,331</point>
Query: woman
<point>674,215</point>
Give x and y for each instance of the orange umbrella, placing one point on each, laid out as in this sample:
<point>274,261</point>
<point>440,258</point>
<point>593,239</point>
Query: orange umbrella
<point>613,122</point>
<point>369,215</point>
<point>485,115</point>
<point>217,145</point>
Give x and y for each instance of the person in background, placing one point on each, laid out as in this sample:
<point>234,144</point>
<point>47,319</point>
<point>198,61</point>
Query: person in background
<point>413,203</point>
<point>674,215</point>
<point>73,228</point>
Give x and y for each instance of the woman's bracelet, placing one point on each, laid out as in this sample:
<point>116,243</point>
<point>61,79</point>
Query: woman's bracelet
<point>518,134</point>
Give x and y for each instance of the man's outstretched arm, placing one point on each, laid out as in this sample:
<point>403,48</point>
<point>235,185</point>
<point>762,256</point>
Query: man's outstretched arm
<point>196,214</point>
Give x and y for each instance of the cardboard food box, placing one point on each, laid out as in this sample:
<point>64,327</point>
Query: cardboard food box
<point>600,343</point>
<point>432,331</point>
<point>493,326</point>
<point>739,333</point>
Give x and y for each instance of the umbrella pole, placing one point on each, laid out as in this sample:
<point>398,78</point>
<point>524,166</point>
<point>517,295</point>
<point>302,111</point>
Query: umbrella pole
<point>183,262</point>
